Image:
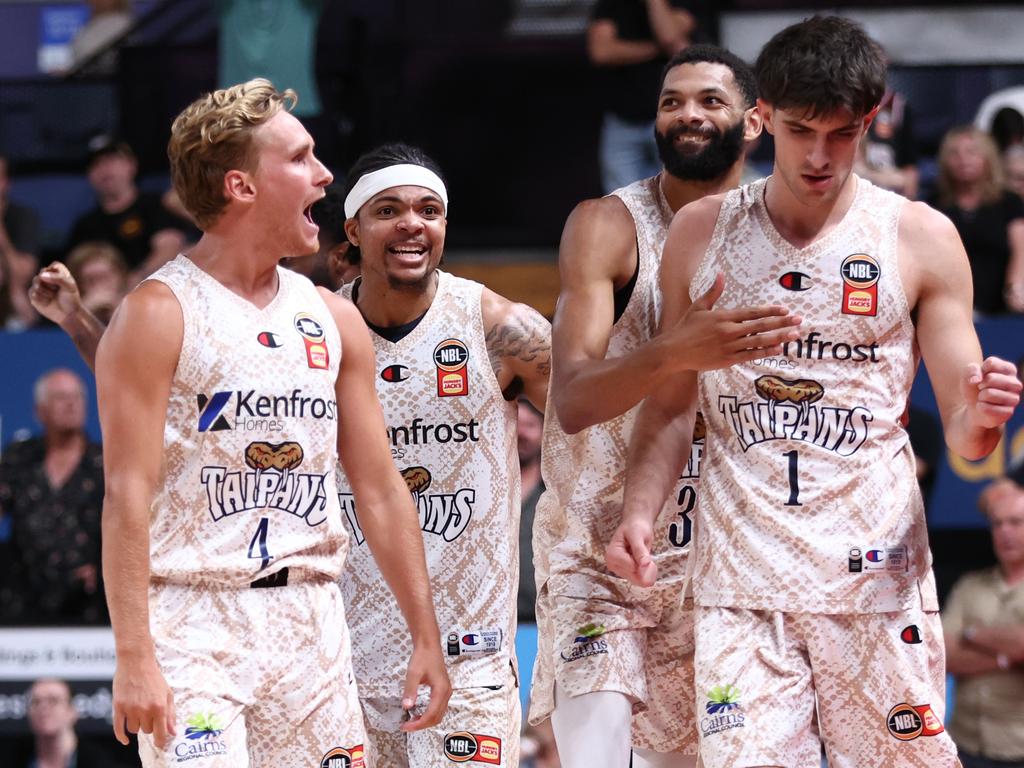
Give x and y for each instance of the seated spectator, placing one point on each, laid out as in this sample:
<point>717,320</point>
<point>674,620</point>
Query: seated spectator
<point>1013,165</point>
<point>108,20</point>
<point>989,218</point>
<point>52,717</point>
<point>983,625</point>
<point>337,262</point>
<point>888,156</point>
<point>102,277</point>
<point>1007,129</point>
<point>19,248</point>
<point>51,488</point>
<point>136,223</point>
<point>530,434</point>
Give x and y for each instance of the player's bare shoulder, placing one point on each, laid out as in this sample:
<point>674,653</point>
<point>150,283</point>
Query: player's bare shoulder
<point>689,236</point>
<point>599,238</point>
<point>152,304</point>
<point>929,251</point>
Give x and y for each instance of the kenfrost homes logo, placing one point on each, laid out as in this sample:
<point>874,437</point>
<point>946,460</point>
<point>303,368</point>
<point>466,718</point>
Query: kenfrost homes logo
<point>723,710</point>
<point>259,412</point>
<point>589,641</point>
<point>202,738</point>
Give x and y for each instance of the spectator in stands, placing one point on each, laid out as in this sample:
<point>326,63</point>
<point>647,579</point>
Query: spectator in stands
<point>630,41</point>
<point>1007,128</point>
<point>101,275</point>
<point>136,223</point>
<point>108,21</point>
<point>538,748</point>
<point>51,488</point>
<point>888,155</point>
<point>51,718</point>
<point>989,218</point>
<point>19,248</point>
<point>531,428</point>
<point>1013,164</point>
<point>983,624</point>
<point>336,262</point>
<point>1007,97</point>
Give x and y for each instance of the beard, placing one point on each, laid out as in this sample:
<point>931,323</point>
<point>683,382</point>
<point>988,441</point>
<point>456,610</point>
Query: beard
<point>701,162</point>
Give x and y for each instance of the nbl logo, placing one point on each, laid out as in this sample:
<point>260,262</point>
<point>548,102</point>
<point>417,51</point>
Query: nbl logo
<point>340,757</point>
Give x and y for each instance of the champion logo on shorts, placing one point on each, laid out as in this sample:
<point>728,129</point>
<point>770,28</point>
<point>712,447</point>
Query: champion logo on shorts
<point>202,738</point>
<point>463,746</point>
<point>723,710</point>
<point>344,757</point>
<point>911,635</point>
<point>906,722</point>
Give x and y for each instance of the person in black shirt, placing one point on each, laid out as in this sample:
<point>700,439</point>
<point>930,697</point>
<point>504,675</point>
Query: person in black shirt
<point>136,223</point>
<point>19,248</point>
<point>888,154</point>
<point>989,218</point>
<point>630,41</point>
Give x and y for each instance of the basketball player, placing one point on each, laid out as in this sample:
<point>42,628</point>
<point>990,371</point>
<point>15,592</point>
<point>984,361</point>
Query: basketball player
<point>812,575</point>
<point>606,649</point>
<point>228,388</point>
<point>451,358</point>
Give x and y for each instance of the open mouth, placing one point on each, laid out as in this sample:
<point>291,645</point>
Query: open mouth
<point>307,213</point>
<point>407,250</point>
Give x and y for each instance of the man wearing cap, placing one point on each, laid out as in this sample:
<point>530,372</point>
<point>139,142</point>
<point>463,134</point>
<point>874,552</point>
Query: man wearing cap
<point>451,358</point>
<point>146,233</point>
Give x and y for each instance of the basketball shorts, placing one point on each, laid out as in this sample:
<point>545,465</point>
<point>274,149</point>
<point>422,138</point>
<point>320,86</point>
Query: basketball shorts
<point>260,678</point>
<point>480,728</point>
<point>874,684</point>
<point>638,642</point>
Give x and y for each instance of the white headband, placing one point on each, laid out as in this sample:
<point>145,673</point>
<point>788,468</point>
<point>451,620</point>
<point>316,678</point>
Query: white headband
<point>403,175</point>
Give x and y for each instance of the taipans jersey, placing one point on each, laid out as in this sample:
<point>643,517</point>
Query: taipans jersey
<point>809,500</point>
<point>453,437</point>
<point>250,441</point>
<point>585,473</point>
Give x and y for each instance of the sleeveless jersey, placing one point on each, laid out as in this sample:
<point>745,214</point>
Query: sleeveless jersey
<point>809,501</point>
<point>453,437</point>
<point>585,473</point>
<point>250,446</point>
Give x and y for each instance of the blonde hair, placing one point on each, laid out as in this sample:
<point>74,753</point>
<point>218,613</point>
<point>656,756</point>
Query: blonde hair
<point>212,136</point>
<point>94,250</point>
<point>991,186</point>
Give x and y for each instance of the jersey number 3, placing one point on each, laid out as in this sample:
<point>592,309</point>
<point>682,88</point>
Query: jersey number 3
<point>679,534</point>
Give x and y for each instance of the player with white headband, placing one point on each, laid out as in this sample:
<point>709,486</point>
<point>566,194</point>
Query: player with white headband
<point>451,358</point>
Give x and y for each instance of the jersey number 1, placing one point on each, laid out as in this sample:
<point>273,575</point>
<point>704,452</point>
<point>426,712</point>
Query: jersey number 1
<point>794,480</point>
<point>258,545</point>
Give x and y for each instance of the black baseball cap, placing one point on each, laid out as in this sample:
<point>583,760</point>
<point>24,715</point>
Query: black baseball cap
<point>103,145</point>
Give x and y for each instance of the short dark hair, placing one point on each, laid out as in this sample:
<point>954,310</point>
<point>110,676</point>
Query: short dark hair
<point>385,156</point>
<point>822,65</point>
<point>329,215</point>
<point>712,54</point>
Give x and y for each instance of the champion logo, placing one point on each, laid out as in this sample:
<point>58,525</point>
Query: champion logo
<point>795,281</point>
<point>210,408</point>
<point>268,339</point>
<point>875,555</point>
<point>911,635</point>
<point>395,373</point>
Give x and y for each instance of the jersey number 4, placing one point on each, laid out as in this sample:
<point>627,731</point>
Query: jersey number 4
<point>258,546</point>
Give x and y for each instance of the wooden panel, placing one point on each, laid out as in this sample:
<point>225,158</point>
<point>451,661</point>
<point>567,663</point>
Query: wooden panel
<point>533,282</point>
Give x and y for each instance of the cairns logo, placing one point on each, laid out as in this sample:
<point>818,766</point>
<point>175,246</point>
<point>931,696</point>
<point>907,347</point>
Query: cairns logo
<point>271,484</point>
<point>787,411</point>
<point>444,514</point>
<point>723,710</point>
<point>202,738</point>
<point>589,641</point>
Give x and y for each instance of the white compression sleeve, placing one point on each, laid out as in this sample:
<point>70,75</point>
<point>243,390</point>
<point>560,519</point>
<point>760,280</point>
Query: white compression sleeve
<point>592,729</point>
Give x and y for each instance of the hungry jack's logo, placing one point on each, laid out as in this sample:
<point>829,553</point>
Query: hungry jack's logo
<point>451,357</point>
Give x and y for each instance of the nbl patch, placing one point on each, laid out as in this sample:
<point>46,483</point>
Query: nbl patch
<point>860,275</point>
<point>340,757</point>
<point>313,337</point>
<point>451,357</point>
<point>463,746</point>
<point>906,722</point>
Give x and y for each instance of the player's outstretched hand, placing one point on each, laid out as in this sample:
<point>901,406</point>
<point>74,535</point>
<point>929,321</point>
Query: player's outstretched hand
<point>143,702</point>
<point>707,338</point>
<point>54,293</point>
<point>991,390</point>
<point>628,555</point>
<point>426,667</point>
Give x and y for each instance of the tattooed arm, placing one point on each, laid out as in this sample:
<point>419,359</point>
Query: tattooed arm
<point>519,345</point>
